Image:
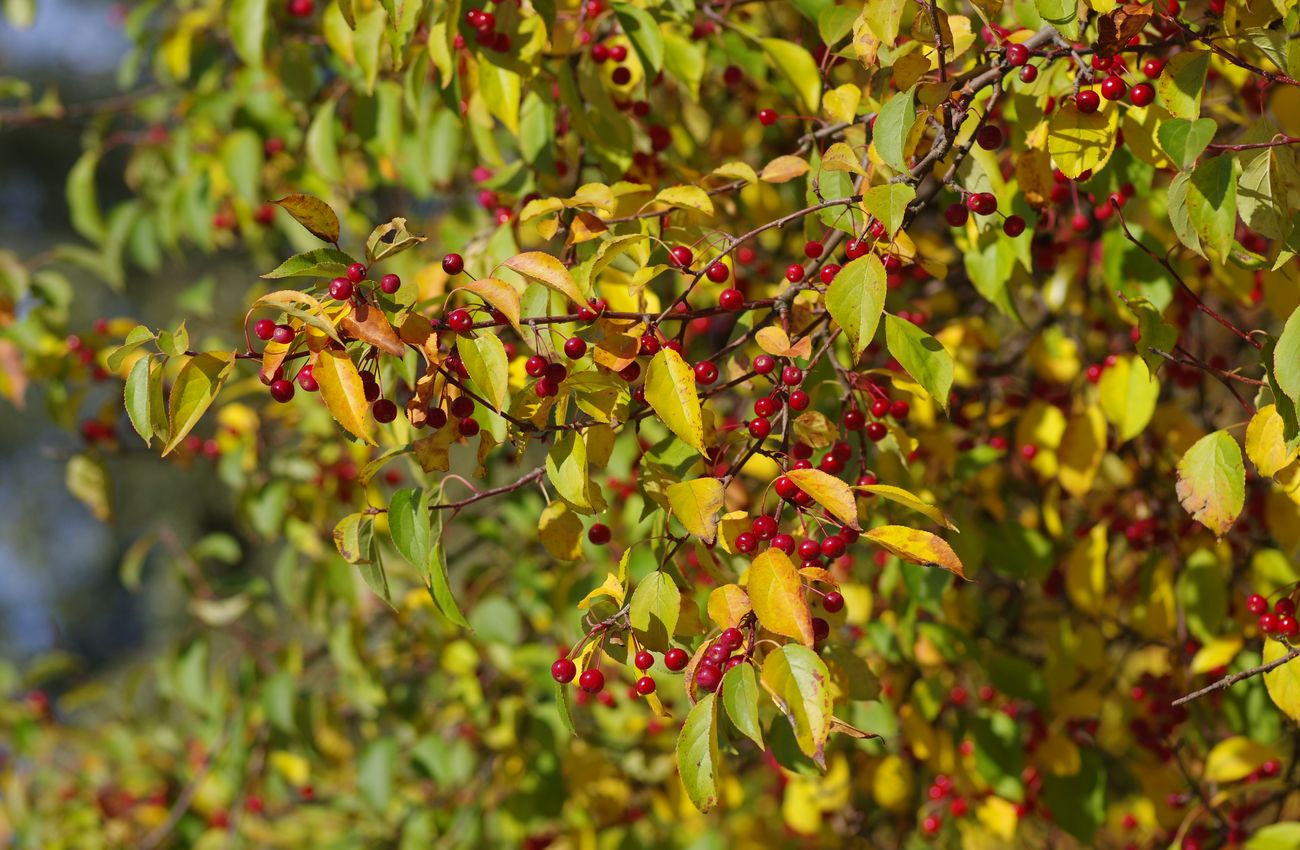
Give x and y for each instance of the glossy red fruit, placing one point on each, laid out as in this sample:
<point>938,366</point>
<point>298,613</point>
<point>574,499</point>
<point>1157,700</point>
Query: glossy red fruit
<point>535,366</point>
<point>718,272</point>
<point>1087,101</point>
<point>813,250</point>
<point>599,534</point>
<point>791,376</point>
<point>356,272</point>
<point>1284,607</point>
<point>765,406</point>
<point>1143,94</point>
<point>618,52</point>
<point>1028,73</point>
<point>453,264</point>
<point>307,379</point>
<point>767,117</point>
<point>591,681</point>
<point>876,431</point>
<point>880,408</point>
<point>705,372</point>
<point>1287,626</point>
<point>833,546</point>
<point>281,390</point>
<point>759,428</point>
<point>857,248</point>
<point>575,347</point>
<point>794,273</point>
<point>460,320</point>
<point>681,256</point>
<point>645,686</point>
<point>630,372</point>
<point>462,407</point>
<point>833,602</point>
<point>264,329</point>
<point>731,299</point>
<point>676,659</point>
<point>389,284</point>
<point>1013,226</point>
<point>1017,55</point>
<point>1256,604</point>
<point>708,676</point>
<point>799,400</point>
<point>649,345</point>
<point>990,137</point>
<point>731,638</point>
<point>854,419</point>
<point>786,488</point>
<point>900,409</point>
<point>468,427</point>
<point>1152,68</point>
<point>821,629</point>
<point>828,272</point>
<point>1113,88</point>
<point>982,203</point>
<point>764,364</point>
<point>1268,623</point>
<point>956,214</point>
<point>341,289</point>
<point>563,670</point>
<point>643,660</point>
<point>746,542</point>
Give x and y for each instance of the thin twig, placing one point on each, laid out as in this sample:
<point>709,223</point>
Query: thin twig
<point>1229,681</point>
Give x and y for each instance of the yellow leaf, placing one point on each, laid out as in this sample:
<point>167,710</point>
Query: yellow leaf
<point>696,504</point>
<point>841,104</point>
<point>735,171</point>
<point>1128,393</point>
<point>776,595</point>
<point>498,294</point>
<point>561,531</point>
<point>727,604</point>
<point>830,492</point>
<point>295,769</point>
<point>1085,571</point>
<point>197,385</point>
<point>670,392</point>
<point>999,815</point>
<point>686,197</point>
<point>1236,758</point>
<point>1283,682</point>
<point>1265,442</point>
<point>840,157</point>
<point>907,499</point>
<point>1215,654</point>
<point>549,272</point>
<point>783,169</point>
<point>1083,445</point>
<point>776,342</point>
<point>1080,141</point>
<point>343,392</point>
<point>919,547</point>
<point>893,783</point>
<point>611,587</point>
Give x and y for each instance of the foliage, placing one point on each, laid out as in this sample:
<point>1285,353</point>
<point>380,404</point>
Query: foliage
<point>1010,290</point>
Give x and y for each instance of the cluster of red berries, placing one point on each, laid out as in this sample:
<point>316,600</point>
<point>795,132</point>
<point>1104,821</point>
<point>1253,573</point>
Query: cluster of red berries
<point>1280,623</point>
<point>942,791</point>
<point>484,25</point>
<point>592,680</point>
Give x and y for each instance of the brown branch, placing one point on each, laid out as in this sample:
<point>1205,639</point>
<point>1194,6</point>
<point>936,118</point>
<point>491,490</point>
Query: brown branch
<point>1229,681</point>
<point>495,491</point>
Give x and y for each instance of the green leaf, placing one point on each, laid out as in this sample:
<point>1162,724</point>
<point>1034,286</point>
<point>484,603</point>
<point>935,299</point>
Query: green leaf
<point>999,755</point>
<point>856,300</point>
<point>196,386</point>
<point>375,772</point>
<point>685,60</point>
<point>83,205</point>
<point>368,43</point>
<point>1275,836</point>
<point>1179,88</point>
<point>1153,332</point>
<point>889,204</point>
<point>797,66</point>
<point>1185,140</point>
<point>697,753</point>
<point>322,144</point>
<point>923,356</point>
<point>314,214</point>
<point>354,537</point>
<point>1212,481</point>
<point>1286,358</point>
<point>1264,189</point>
<point>1062,14</point>
<point>654,610</point>
<point>247,22</point>
<point>644,34</point>
<point>670,392</point>
<point>136,394</point>
<point>1128,393</point>
<point>320,262</point>
<point>566,467</point>
<point>797,681</point>
<point>740,699</point>
<point>1212,203</point>
<point>438,585</point>
<point>893,124</point>
<point>502,92</point>
<point>883,18</point>
<point>562,705</point>
<point>1179,215</point>
<point>485,359</point>
<point>410,524</point>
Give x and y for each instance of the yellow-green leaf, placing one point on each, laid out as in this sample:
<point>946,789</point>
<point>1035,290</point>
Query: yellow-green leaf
<point>1083,445</point>
<point>696,504</point>
<point>776,595</point>
<point>919,547</point>
<point>797,681</point>
<point>1266,444</point>
<point>697,753</point>
<point>670,392</point>
<point>797,66</point>
<point>830,492</point>
<point>727,604</point>
<point>740,699</point>
<point>1179,87</point>
<point>840,157</point>
<point>87,480</point>
<point>1128,396</point>
<point>1236,758</point>
<point>196,386</point>
<point>888,203</point>
<point>856,300</point>
<point>549,272</point>
<point>566,467</point>
<point>560,531</point>
<point>1283,682</point>
<point>485,359</point>
<point>907,499</point>
<point>343,393</point>
<point>1212,481</point>
<point>922,356</point>
<point>498,294</point>
<point>687,198</point>
<point>1080,141</point>
<point>655,607</point>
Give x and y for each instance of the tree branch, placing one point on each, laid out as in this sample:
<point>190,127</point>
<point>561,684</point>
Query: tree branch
<point>1229,681</point>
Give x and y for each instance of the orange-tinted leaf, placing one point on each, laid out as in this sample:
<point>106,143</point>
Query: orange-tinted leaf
<point>777,596</point>
<point>314,214</point>
<point>343,392</point>
<point>919,547</point>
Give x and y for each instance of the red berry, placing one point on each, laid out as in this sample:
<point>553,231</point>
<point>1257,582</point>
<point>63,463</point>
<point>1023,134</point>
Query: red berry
<point>1017,55</point>
<point>705,372</point>
<point>900,409</point>
<point>1142,94</point>
<point>1287,626</point>
<point>821,629</point>
<point>643,660</point>
<point>708,676</point>
<point>1013,226</point>
<point>536,366</point>
<point>828,272</point>
<point>990,137</point>
<point>649,344</point>
<point>1152,68</point>
<point>1113,88</point>
<point>563,670</point>
<point>764,364</point>
<point>813,250</point>
<point>791,376</point>
<point>676,659</point>
<point>767,117</point>
<point>681,256</point>
<point>645,686</point>
<point>794,273</point>
<point>956,214</point>
<point>1028,74</point>
<point>982,203</point>
<point>1284,607</point>
<point>1256,604</point>
<point>718,272</point>
<point>390,283</point>
<point>356,272</point>
<point>759,428</point>
<point>833,546</point>
<point>453,264</point>
<point>1087,101</point>
<point>301,8</point>
<point>264,329</point>
<point>621,77</point>
<point>459,320</point>
<point>618,52</point>
<point>1267,622</point>
<point>857,248</point>
<point>730,299</point>
<point>764,526</point>
<point>591,681</point>
<point>467,427</point>
<point>746,542</point>
<point>731,638</point>
<point>307,379</point>
<point>575,347</point>
<point>282,390</point>
<point>384,410</point>
<point>599,52</point>
<point>876,431</point>
<point>630,372</point>
<point>833,602</point>
<point>1029,451</point>
<point>799,400</point>
<point>341,289</point>
<point>546,387</point>
<point>599,534</point>
<point>854,419</point>
<point>786,488</point>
